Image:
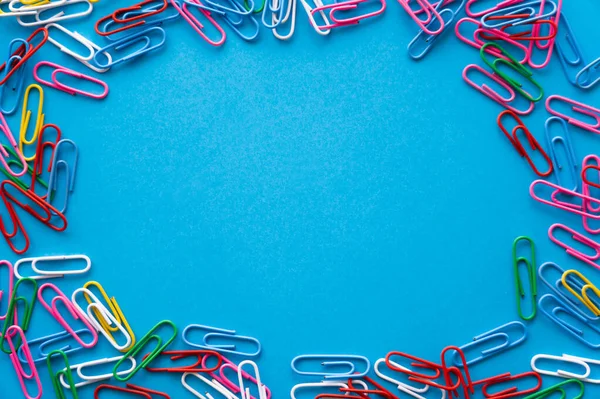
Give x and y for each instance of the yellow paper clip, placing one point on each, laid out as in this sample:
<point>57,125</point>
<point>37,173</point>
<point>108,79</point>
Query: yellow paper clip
<point>26,116</point>
<point>583,286</point>
<point>116,311</point>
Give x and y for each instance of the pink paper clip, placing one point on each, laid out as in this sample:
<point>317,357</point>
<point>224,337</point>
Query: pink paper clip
<point>72,309</point>
<point>11,332</point>
<point>8,293</point>
<point>498,6</point>
<point>577,107</point>
<point>5,129</point>
<point>489,92</point>
<point>549,45</point>
<point>226,382</point>
<point>574,208</point>
<point>430,12</point>
<point>185,12</point>
<point>55,84</point>
<point>589,259</point>
<point>589,162</point>
<point>345,6</point>
<point>421,10</point>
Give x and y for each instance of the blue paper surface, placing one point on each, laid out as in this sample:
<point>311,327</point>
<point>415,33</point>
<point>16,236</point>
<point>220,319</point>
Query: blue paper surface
<point>324,195</point>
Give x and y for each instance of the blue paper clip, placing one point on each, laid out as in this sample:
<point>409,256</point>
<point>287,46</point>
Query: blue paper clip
<point>592,69</point>
<point>520,8</point>
<point>338,360</point>
<point>270,10</point>
<point>565,62</point>
<point>69,173</point>
<point>17,89</point>
<point>214,332</point>
<point>129,41</point>
<point>48,340</point>
<point>235,25</point>
<point>149,22</point>
<point>222,9</point>
<point>498,333</point>
<point>565,140</point>
<point>563,307</point>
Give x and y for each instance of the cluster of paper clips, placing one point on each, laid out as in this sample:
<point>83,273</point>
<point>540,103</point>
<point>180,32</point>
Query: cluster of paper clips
<point>100,317</point>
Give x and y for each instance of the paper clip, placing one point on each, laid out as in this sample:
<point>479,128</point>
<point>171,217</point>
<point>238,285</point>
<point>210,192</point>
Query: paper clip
<point>245,392</point>
<point>430,12</point>
<point>17,87</point>
<point>275,9</point>
<point>403,387</point>
<point>39,155</point>
<point>25,52</point>
<point>559,372</point>
<point>590,69</point>
<point>573,48</point>
<point>55,84</point>
<point>37,19</point>
<point>22,375</point>
<point>136,14</point>
<point>54,377</point>
<point>312,385</point>
<point>136,38</point>
<point>567,309</point>
<point>589,259</point>
<point>530,266</point>
<point>214,332</point>
<point>47,274</point>
<point>521,13</point>
<point>513,391</point>
<point>131,389</point>
<point>75,36</point>
<point>95,312</point>
<point>290,15</point>
<point>117,313</point>
<point>577,107</point>
<point>51,340</point>
<point>236,24</point>
<point>11,313</point>
<point>25,118</point>
<point>336,360</point>
<point>547,392</point>
<point>490,93</point>
<point>7,294</point>
<point>17,162</point>
<point>214,384</point>
<point>565,141</point>
<point>498,333</point>
<point>514,65</point>
<point>193,368</point>
<point>221,378</point>
<point>150,335</point>
<point>427,41</point>
<point>87,380</point>
<point>53,310</point>
<point>583,288</point>
<point>341,7</point>
<point>584,174</point>
<point>577,209</point>
<point>185,12</point>
<point>586,361</point>
<point>500,5</point>
<point>4,129</point>
<point>69,172</point>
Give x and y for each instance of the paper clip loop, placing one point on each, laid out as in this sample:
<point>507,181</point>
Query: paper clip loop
<point>70,172</point>
<point>404,387</point>
<point>17,88</point>
<point>547,392</point>
<point>559,372</point>
<point>499,6</point>
<point>214,384</point>
<point>150,335</point>
<point>87,380</point>
<point>135,390</point>
<point>577,107</point>
<point>530,266</point>
<point>193,368</point>
<point>587,361</point>
<point>222,378</point>
<point>522,13</point>
<point>430,12</point>
<point>4,129</point>
<point>48,274</point>
<point>577,209</point>
<point>513,391</point>
<point>333,360</point>
<point>49,340</point>
<point>500,332</point>
<point>25,119</point>
<point>583,288</point>
<point>426,40</point>
<point>576,62</point>
<point>589,259</point>
<point>75,36</point>
<point>55,84</point>
<point>25,52</point>
<point>245,392</point>
<point>565,141</point>
<point>7,294</point>
<point>21,373</point>
<point>590,69</point>
<point>214,332</point>
<point>54,377</point>
<point>142,36</point>
<point>185,12</point>
<point>11,313</point>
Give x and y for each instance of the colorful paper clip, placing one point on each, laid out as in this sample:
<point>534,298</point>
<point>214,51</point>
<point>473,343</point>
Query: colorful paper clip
<point>574,208</point>
<point>38,165</point>
<point>214,384</point>
<point>588,362</point>
<point>565,141</point>
<point>75,36</point>
<point>187,15</point>
<point>230,385</point>
<point>48,274</point>
<point>245,392</point>
<point>431,14</point>
<point>561,373</point>
<point>24,52</point>
<point>585,286</point>
<point>520,13</point>
<point>583,109</point>
<point>4,129</point>
<point>134,390</point>
<point>57,16</point>
<point>22,375</point>
<point>70,170</point>
<point>93,379</point>
<point>54,377</point>
<point>136,38</point>
<point>403,387</point>
<point>41,343</point>
<point>7,293</point>
<point>423,42</point>
<point>497,6</point>
<point>513,391</point>
<point>196,367</point>
<point>60,70</point>
<point>16,88</point>
<point>530,266</point>
<point>558,388</point>
<point>333,360</point>
<point>26,117</point>
<point>214,332</point>
<point>310,386</point>
<point>592,70</point>
<point>150,335</point>
<point>589,259</point>
<point>11,313</point>
<point>496,334</point>
<point>564,28</point>
<point>53,310</point>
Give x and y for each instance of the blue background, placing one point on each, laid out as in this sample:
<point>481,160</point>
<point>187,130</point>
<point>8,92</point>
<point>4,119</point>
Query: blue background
<point>325,195</point>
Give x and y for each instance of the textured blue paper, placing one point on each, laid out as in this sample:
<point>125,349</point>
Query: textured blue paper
<point>325,195</point>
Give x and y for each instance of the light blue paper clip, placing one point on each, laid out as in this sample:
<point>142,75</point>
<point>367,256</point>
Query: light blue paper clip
<point>270,10</point>
<point>69,173</point>
<point>521,8</point>
<point>498,333</point>
<point>577,62</point>
<point>235,25</point>
<point>214,332</point>
<point>592,69</point>
<point>149,22</point>
<point>48,340</point>
<point>565,140</point>
<point>136,38</point>
<point>333,360</point>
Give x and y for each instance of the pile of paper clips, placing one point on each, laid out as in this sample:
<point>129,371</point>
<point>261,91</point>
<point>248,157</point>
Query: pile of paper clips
<point>533,28</point>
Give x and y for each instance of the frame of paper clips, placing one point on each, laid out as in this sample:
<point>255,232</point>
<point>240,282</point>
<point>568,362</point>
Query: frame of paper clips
<point>338,199</point>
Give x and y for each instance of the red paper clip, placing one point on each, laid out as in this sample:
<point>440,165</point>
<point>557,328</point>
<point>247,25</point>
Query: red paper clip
<point>514,140</point>
<point>39,155</point>
<point>24,54</point>
<point>137,19</point>
<point>17,226</point>
<point>134,390</point>
<point>182,354</point>
<point>512,391</point>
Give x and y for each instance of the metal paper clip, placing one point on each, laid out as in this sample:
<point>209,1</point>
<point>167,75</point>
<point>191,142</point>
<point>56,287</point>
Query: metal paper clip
<point>583,288</point>
<point>7,294</point>
<point>47,274</point>
<point>214,332</point>
<point>577,107</point>
<point>57,16</point>
<point>54,377</point>
<point>430,12</point>
<point>336,360</point>
<point>87,380</point>
<point>53,310</point>
<point>577,209</point>
<point>590,260</point>
<point>4,129</point>
<point>186,13</point>
<point>26,117</point>
<point>513,391</point>
<point>17,87</point>
<point>530,266</point>
<point>11,313</point>
<point>50,340</point>
<point>490,93</point>
<point>150,335</point>
<point>56,84</point>
<point>498,333</point>
<point>523,13</point>
<point>196,367</point>
<point>500,5</point>
<point>567,309</point>
<point>22,375</point>
<point>136,38</point>
<point>95,312</point>
<point>214,384</point>
<point>559,372</point>
<point>262,393</point>
<point>565,141</point>
<point>25,52</point>
<point>69,172</point>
